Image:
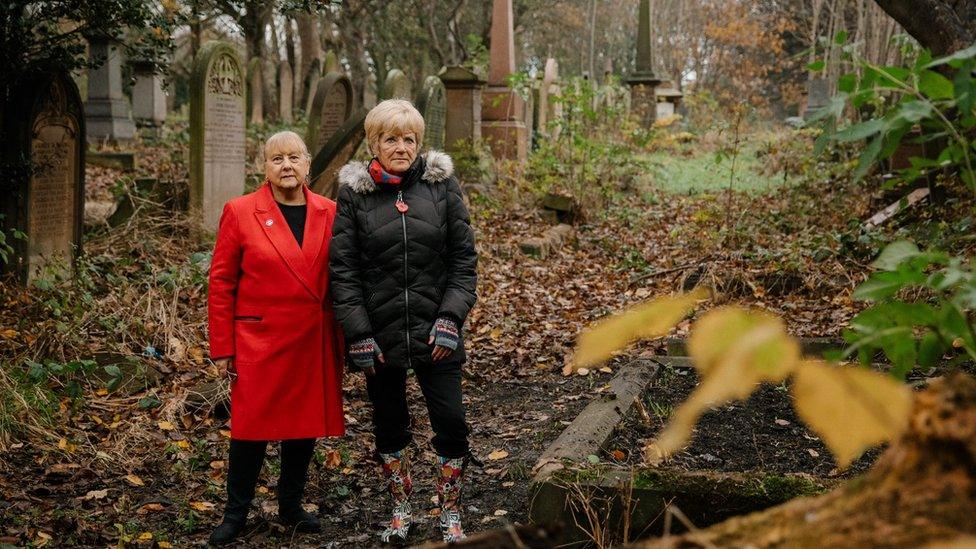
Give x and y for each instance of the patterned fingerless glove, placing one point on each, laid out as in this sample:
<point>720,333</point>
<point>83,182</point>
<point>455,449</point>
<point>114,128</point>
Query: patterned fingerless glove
<point>362,353</point>
<point>445,333</point>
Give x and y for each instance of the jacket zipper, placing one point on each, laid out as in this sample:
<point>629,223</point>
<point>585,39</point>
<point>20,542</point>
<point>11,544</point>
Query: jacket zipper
<point>406,291</point>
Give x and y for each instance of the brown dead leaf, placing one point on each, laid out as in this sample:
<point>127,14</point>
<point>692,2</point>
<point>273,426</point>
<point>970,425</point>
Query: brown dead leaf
<point>166,425</point>
<point>333,459</point>
<point>498,454</point>
<point>202,506</point>
<point>134,480</point>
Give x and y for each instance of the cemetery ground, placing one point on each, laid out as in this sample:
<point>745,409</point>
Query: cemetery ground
<point>112,440</point>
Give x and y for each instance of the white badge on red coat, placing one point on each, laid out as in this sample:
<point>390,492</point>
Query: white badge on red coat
<point>269,222</point>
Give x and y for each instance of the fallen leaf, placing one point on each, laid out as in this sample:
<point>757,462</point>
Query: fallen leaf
<point>508,484</point>
<point>498,454</point>
<point>164,545</point>
<point>851,408</point>
<point>813,453</point>
<point>782,422</point>
<point>217,465</point>
<point>183,444</point>
<point>583,371</point>
<point>145,536</point>
<point>500,512</point>
<point>202,506</point>
<point>618,455</point>
<point>150,508</point>
<point>97,494</point>
<point>9,334</point>
<point>67,446</point>
<point>134,480</point>
<point>166,426</point>
<point>333,459</point>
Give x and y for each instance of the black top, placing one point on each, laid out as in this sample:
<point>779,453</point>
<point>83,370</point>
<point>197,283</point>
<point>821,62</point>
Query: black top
<point>295,216</point>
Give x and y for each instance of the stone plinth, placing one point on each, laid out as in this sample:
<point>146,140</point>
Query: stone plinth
<point>643,97</point>
<point>463,89</point>
<point>503,125</point>
<point>106,110</point>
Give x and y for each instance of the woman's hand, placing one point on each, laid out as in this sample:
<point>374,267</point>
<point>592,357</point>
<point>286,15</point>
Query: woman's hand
<point>444,337</point>
<point>226,366</point>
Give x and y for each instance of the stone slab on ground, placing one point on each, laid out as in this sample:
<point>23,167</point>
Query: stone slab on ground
<point>107,159</point>
<point>554,239</point>
<point>594,426</point>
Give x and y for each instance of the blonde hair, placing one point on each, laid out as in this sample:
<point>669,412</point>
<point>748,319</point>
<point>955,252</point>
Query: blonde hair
<point>285,141</point>
<point>396,116</point>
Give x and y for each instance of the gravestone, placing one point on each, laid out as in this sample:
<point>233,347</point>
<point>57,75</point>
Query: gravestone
<point>46,202</point>
<point>330,110</point>
<point>331,63</point>
<point>432,105</point>
<point>818,95</point>
<point>504,113</point>
<point>106,110</point>
<point>463,93</point>
<point>547,92</point>
<point>370,93</point>
<point>216,130</point>
<point>311,84</point>
<point>643,83</point>
<point>286,89</point>
<point>337,151</point>
<point>255,92</point>
<point>148,99</point>
<point>396,86</point>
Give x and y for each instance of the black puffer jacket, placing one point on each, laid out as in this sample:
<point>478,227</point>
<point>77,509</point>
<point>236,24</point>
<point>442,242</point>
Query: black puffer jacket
<point>393,274</point>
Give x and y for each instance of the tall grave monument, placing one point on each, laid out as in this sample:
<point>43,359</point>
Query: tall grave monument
<point>106,110</point>
<point>503,111</point>
<point>432,104</point>
<point>643,82</point>
<point>463,89</point>
<point>217,93</point>
<point>331,107</point>
<point>148,99</point>
<point>47,201</point>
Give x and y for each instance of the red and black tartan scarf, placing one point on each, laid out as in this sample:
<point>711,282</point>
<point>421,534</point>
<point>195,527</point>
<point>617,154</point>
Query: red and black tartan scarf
<point>381,176</point>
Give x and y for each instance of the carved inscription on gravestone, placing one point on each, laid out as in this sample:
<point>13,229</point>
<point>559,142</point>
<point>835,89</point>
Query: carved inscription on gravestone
<point>51,198</point>
<point>216,131</point>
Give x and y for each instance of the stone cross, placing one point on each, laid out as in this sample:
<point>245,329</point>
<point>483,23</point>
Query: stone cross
<point>46,202</point>
<point>217,108</point>
<point>106,110</point>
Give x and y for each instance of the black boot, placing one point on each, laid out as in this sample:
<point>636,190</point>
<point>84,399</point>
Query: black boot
<point>295,457</point>
<point>243,467</point>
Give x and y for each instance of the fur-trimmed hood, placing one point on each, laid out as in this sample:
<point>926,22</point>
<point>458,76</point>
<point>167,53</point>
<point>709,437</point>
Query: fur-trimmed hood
<point>438,167</point>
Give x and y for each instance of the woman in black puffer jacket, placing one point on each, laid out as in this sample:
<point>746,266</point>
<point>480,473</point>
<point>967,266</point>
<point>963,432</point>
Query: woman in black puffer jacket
<point>403,262</point>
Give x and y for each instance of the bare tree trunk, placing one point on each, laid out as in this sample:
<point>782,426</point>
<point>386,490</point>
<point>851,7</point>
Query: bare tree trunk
<point>309,45</point>
<point>943,26</point>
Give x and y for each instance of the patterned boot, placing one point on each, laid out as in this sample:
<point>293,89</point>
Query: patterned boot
<point>449,495</point>
<point>396,469</point>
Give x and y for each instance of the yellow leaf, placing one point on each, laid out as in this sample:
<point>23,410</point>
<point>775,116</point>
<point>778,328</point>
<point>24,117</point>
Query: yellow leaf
<point>202,506</point>
<point>145,536</point>
<point>645,321</point>
<point>852,409</point>
<point>67,446</point>
<point>9,334</point>
<point>101,392</point>
<point>164,545</point>
<point>495,334</point>
<point>498,454</point>
<point>134,480</point>
<point>166,426</point>
<point>183,445</point>
<point>760,351</point>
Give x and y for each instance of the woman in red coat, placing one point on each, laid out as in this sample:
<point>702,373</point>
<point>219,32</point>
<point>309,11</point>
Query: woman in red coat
<point>273,331</point>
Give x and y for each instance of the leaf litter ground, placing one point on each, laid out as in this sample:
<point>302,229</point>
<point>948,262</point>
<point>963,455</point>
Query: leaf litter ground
<point>147,466</point>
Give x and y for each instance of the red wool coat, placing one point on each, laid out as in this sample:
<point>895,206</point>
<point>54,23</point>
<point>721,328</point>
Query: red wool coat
<point>269,308</point>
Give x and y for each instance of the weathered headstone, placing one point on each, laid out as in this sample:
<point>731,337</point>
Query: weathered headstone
<point>46,201</point>
<point>503,111</point>
<point>311,84</point>
<point>432,105</point>
<point>330,110</point>
<point>286,88</point>
<point>463,88</point>
<point>106,110</point>
<point>370,93</point>
<point>818,95</point>
<point>643,82</point>
<point>331,63</point>
<point>396,86</point>
<point>549,108</point>
<point>216,130</point>
<point>148,99</point>
<point>323,175</point>
<point>255,92</point>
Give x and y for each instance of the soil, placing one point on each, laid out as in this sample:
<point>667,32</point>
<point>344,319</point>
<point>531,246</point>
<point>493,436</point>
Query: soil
<point>761,434</point>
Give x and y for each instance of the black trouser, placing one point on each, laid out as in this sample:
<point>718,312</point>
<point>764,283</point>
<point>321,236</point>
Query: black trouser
<point>244,465</point>
<point>440,384</point>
